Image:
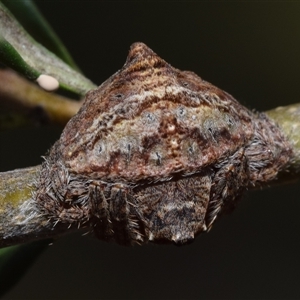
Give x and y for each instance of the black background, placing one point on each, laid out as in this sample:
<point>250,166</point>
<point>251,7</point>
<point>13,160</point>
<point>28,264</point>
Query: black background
<point>251,50</point>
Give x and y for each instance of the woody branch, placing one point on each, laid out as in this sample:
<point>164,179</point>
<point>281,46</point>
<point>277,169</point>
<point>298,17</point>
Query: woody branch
<point>20,221</point>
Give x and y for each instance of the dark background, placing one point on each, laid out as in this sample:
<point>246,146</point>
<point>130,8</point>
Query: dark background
<point>251,50</point>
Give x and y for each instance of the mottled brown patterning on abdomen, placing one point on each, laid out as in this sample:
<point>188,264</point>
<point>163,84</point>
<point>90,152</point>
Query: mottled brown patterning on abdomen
<point>156,154</point>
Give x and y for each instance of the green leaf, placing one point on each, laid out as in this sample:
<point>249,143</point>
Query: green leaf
<point>29,16</point>
<point>15,261</point>
<point>33,56</point>
<point>10,57</point>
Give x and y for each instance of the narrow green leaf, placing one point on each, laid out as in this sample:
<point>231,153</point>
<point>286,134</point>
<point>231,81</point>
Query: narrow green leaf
<point>15,261</point>
<point>38,58</point>
<point>29,16</point>
<point>10,57</point>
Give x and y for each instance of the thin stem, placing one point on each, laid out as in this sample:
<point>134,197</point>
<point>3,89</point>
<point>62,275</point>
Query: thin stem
<point>17,90</point>
<point>288,118</point>
<point>20,219</point>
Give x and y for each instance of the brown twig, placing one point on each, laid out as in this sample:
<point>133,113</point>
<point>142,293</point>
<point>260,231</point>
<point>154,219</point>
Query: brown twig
<point>19,91</point>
